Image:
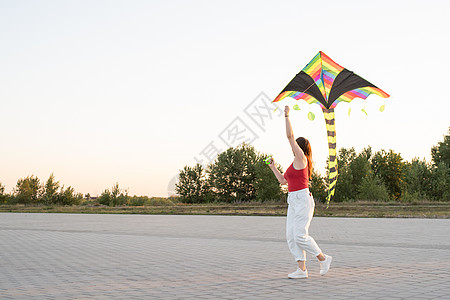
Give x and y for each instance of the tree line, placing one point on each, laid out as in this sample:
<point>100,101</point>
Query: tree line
<point>240,175</point>
<point>30,190</point>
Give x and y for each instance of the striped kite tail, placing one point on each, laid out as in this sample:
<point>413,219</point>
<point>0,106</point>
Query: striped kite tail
<point>332,159</point>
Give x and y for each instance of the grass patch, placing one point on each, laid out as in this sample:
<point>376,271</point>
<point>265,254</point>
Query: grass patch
<point>345,209</point>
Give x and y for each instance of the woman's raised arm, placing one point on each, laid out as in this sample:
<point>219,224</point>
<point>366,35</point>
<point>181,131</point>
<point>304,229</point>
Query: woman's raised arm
<point>298,152</point>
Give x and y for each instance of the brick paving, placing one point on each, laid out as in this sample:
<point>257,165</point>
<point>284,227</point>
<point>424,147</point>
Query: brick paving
<point>75,256</point>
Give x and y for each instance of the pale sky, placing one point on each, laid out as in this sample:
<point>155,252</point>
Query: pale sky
<point>99,92</point>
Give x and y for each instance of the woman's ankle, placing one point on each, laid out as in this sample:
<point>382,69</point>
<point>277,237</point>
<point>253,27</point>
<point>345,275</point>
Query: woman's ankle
<point>321,257</point>
<point>301,265</point>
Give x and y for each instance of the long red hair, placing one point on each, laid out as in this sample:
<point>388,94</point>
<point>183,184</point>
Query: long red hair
<point>306,147</point>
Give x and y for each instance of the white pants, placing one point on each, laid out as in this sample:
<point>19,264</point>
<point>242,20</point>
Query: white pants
<point>299,216</point>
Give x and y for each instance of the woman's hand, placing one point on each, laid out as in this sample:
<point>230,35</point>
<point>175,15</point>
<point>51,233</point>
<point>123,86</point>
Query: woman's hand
<point>271,162</point>
<point>286,111</point>
<point>278,175</point>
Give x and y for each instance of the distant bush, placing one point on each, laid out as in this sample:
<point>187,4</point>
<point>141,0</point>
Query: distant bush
<point>156,201</point>
<point>372,188</point>
<point>413,197</point>
<point>150,201</point>
<point>136,200</point>
<point>28,190</point>
<point>68,196</point>
<point>114,196</point>
<point>3,196</point>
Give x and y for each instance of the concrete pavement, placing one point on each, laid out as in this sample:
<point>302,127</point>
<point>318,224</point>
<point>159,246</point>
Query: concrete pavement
<point>64,256</point>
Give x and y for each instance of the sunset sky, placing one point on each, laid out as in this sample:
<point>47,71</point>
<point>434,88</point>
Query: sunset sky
<point>99,92</point>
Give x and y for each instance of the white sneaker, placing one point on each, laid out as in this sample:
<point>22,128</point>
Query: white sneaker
<point>299,274</point>
<point>325,265</point>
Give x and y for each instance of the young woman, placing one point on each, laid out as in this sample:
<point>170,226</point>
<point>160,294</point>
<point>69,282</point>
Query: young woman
<point>301,204</point>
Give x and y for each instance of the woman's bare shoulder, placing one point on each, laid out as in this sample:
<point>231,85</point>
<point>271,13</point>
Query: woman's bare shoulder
<point>299,163</point>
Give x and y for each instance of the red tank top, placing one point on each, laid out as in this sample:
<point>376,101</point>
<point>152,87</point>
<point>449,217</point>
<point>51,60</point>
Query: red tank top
<point>297,179</point>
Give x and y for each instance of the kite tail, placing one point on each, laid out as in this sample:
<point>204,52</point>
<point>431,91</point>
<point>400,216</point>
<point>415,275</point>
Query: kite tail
<point>332,159</point>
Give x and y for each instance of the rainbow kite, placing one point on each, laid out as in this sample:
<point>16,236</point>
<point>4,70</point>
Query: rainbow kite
<point>326,83</point>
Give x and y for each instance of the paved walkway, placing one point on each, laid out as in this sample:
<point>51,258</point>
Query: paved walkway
<point>63,256</point>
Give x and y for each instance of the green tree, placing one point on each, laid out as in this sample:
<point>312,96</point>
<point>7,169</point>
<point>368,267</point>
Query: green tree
<point>417,177</point>
<point>118,196</point>
<point>137,200</point>
<point>389,166</point>
<point>105,198</point>
<point>360,167</point>
<point>441,152</point>
<point>232,174</point>
<point>50,190</point>
<point>114,197</point>
<point>238,174</point>
<point>356,175</point>
<point>3,197</point>
<point>68,196</point>
<point>28,190</point>
<point>265,183</point>
<point>440,182</point>
<point>192,185</point>
<point>345,189</point>
<point>440,170</point>
<point>318,186</point>
<point>372,188</point>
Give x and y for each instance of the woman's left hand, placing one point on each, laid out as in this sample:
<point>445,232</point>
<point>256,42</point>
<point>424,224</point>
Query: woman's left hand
<point>286,111</point>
